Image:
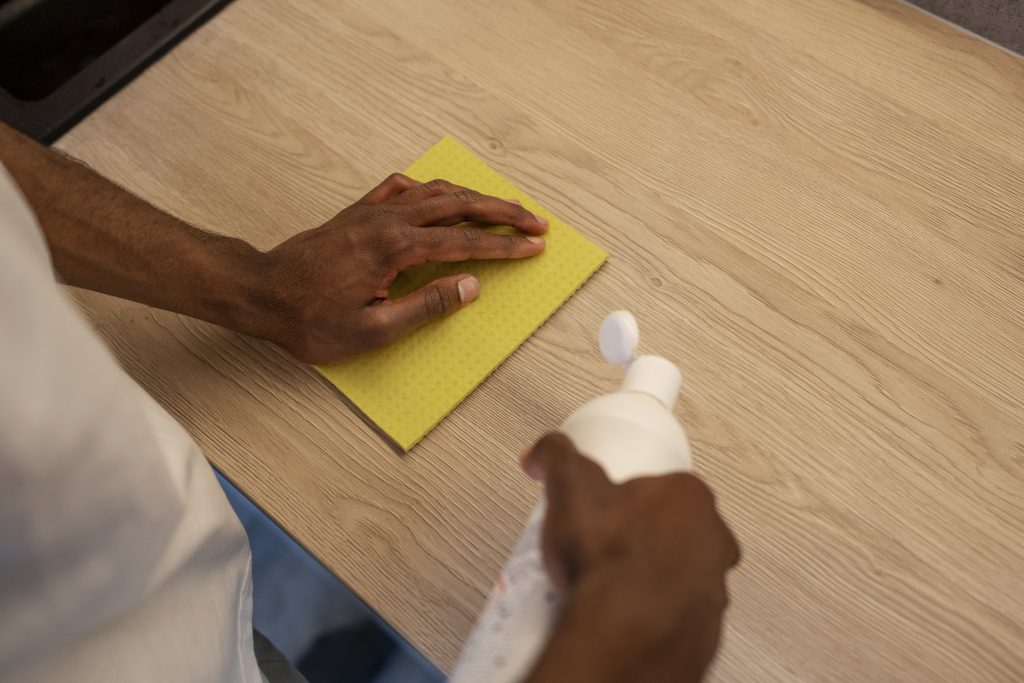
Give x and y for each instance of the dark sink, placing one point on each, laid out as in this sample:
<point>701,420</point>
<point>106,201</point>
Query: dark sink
<point>61,58</point>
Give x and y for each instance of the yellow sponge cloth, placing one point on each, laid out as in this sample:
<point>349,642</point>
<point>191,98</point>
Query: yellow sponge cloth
<point>408,388</point>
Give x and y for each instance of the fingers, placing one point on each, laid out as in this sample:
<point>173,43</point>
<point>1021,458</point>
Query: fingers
<point>688,486</point>
<point>449,208</point>
<point>551,447</point>
<point>564,470</point>
<point>393,185</point>
<point>440,188</point>
<point>431,188</point>
<point>394,319</point>
<point>735,554</point>
<point>450,245</point>
<point>439,202</point>
<point>575,486</point>
<point>732,552</point>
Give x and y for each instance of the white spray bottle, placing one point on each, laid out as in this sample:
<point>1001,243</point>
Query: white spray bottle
<point>631,433</point>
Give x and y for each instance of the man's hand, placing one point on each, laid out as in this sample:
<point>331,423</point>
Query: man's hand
<point>322,294</point>
<point>330,284</point>
<point>642,567</point>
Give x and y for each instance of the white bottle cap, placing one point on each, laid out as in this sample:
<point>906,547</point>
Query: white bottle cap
<point>619,339</point>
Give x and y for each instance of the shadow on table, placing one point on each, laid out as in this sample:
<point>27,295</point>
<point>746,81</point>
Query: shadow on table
<point>316,620</point>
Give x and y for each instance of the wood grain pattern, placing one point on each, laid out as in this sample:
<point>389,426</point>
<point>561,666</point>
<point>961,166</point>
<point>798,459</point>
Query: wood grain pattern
<point>815,207</point>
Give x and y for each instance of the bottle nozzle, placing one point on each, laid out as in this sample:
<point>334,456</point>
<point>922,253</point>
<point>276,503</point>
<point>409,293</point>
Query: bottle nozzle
<point>619,339</point>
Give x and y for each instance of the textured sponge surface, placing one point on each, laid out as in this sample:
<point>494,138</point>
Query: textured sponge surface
<point>408,388</point>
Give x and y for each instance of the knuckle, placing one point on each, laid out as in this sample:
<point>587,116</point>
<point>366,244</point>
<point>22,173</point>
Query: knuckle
<point>555,441</point>
<point>433,240</point>
<point>510,244</point>
<point>438,185</point>
<point>433,303</point>
<point>392,242</point>
<point>438,301</point>
<point>465,196</point>
<point>388,215</point>
<point>395,177</point>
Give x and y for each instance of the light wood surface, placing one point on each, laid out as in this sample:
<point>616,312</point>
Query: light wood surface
<point>815,206</point>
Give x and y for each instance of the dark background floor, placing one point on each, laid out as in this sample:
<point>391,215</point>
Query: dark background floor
<point>1001,21</point>
<point>316,620</point>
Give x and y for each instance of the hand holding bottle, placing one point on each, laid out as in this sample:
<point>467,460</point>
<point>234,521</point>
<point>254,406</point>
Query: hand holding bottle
<point>624,581</point>
<point>641,566</point>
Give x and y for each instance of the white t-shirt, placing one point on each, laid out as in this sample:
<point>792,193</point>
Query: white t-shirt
<point>120,558</point>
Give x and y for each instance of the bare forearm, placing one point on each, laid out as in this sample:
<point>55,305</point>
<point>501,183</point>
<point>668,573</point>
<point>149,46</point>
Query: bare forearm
<point>322,294</point>
<point>106,239</point>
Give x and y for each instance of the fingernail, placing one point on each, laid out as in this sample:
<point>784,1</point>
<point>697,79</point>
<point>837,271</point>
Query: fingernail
<point>532,471</point>
<point>541,219</point>
<point>469,289</point>
<point>513,200</point>
<point>535,239</point>
<point>526,465</point>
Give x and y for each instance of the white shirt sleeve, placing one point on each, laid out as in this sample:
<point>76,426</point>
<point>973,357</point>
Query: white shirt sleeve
<point>120,558</point>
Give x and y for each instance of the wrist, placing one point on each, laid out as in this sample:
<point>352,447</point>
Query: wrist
<point>235,289</point>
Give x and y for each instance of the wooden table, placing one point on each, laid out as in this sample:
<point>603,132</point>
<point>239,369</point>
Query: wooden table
<point>815,206</point>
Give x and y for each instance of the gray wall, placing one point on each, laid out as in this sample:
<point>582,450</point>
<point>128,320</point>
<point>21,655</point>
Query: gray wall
<point>1001,21</point>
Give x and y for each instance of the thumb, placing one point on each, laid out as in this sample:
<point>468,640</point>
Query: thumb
<point>575,487</point>
<point>563,469</point>
<point>430,302</point>
<point>548,455</point>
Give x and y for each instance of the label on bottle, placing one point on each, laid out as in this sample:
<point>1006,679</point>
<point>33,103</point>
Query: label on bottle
<point>518,618</point>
